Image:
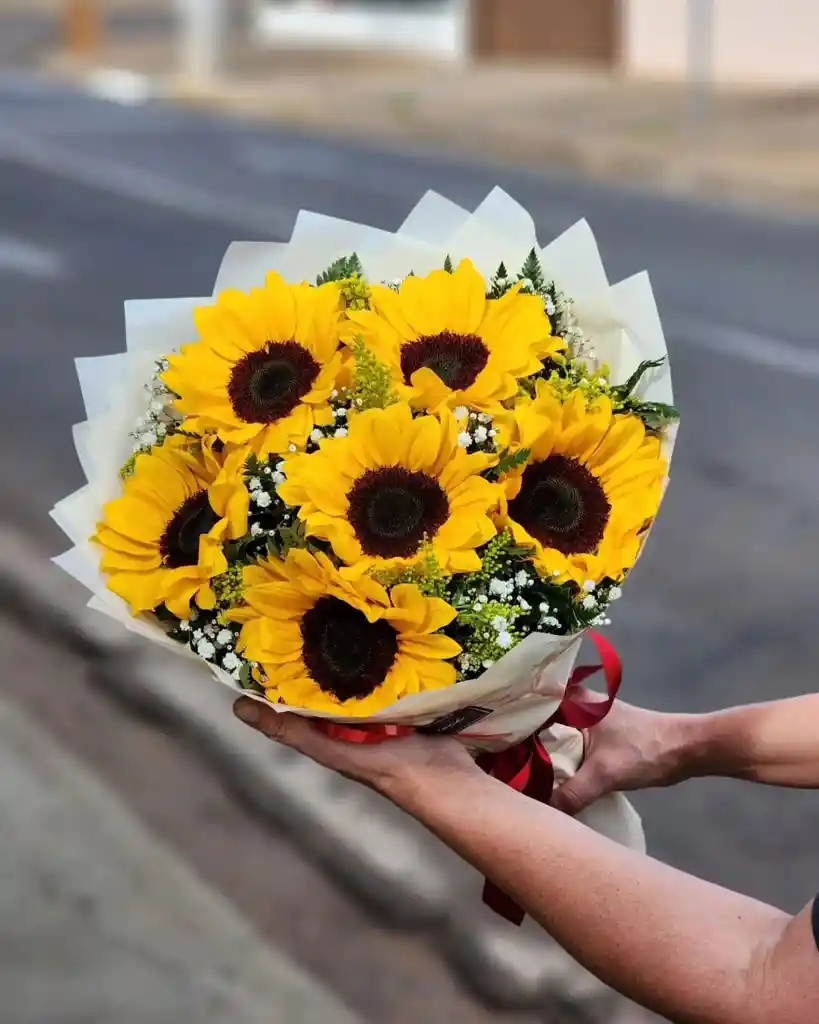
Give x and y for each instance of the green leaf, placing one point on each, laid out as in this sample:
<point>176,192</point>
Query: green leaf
<point>341,269</point>
<point>511,460</point>
<point>253,466</point>
<point>285,538</point>
<point>533,271</point>
<point>624,390</point>
<point>448,267</point>
<point>655,415</point>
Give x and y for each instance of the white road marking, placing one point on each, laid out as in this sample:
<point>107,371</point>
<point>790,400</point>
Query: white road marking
<point>119,86</point>
<point>260,220</point>
<point>266,220</point>
<point>746,346</point>
<point>21,257</point>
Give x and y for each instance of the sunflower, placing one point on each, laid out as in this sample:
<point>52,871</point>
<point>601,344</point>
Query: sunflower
<point>162,540</point>
<point>331,644</point>
<point>446,344</point>
<point>393,488</point>
<point>591,484</point>
<point>265,367</point>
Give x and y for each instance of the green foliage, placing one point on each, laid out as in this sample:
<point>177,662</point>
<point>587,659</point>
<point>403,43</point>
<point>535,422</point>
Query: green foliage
<point>373,387</point>
<point>285,538</point>
<point>341,269</point>
<point>479,634</point>
<point>624,390</point>
<point>356,292</point>
<point>568,375</point>
<point>500,283</point>
<point>426,574</point>
<point>509,461</point>
<point>229,587</point>
<point>128,469</point>
<point>656,415</point>
<point>532,272</point>
<point>246,680</point>
<point>254,466</point>
<point>500,554</point>
<point>448,266</point>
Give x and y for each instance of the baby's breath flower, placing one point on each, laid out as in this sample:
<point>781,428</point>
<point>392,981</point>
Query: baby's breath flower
<point>205,649</point>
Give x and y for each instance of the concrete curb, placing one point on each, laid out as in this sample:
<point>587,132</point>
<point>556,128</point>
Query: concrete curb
<point>388,862</point>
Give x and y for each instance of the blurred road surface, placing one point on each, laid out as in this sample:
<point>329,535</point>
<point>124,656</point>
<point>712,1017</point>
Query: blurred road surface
<point>114,927</point>
<point>102,202</point>
<point>136,889</point>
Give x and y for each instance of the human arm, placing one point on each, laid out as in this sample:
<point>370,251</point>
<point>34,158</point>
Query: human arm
<point>633,748</point>
<point>683,947</point>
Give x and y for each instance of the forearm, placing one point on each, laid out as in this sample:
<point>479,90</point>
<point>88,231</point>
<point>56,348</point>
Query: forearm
<point>771,743</point>
<point>678,945</point>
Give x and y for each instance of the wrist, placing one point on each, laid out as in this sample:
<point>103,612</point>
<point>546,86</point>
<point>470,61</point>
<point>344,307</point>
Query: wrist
<point>698,746</point>
<point>419,788</point>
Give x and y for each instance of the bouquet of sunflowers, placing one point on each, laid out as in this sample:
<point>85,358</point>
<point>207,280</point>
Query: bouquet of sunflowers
<point>389,478</point>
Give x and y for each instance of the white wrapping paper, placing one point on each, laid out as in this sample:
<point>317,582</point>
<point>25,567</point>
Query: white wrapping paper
<point>521,692</point>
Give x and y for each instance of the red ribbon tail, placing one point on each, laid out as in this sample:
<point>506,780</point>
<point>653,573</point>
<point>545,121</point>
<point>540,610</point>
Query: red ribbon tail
<point>496,899</point>
<point>528,769</point>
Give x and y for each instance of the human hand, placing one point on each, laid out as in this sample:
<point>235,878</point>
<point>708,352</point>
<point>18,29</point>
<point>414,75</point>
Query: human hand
<point>397,767</point>
<point>630,749</point>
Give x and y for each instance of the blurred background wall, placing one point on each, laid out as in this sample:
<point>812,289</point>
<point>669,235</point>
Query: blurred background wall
<point>752,41</point>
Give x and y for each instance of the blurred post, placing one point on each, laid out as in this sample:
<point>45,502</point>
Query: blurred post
<point>700,64</point>
<point>82,27</point>
<point>202,28</point>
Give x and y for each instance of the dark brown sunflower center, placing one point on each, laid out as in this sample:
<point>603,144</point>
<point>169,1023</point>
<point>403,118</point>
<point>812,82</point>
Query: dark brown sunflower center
<point>456,358</point>
<point>179,544</point>
<point>393,509</point>
<point>562,505</point>
<point>344,653</point>
<point>267,385</point>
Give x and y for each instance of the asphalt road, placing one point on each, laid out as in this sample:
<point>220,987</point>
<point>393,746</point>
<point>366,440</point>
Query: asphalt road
<point>99,203</point>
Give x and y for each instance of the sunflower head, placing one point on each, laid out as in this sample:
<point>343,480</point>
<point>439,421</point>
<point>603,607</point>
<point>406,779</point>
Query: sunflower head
<point>393,488</point>
<point>448,345</point>
<point>591,484</point>
<point>327,643</point>
<point>162,539</point>
<point>265,366</point>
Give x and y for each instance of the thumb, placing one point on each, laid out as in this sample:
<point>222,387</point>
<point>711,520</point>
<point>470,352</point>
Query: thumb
<point>577,793</point>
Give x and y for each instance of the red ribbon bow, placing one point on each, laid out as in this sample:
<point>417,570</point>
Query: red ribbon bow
<point>526,767</point>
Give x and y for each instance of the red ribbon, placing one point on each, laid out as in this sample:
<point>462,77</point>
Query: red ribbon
<point>365,733</point>
<point>526,767</point>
